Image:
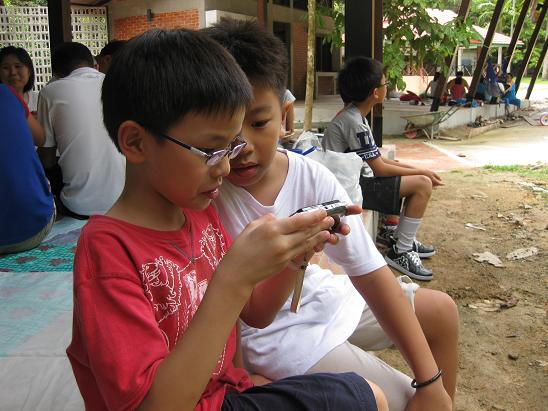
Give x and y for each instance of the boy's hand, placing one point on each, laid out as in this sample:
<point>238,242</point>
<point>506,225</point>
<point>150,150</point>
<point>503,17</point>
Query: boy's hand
<point>435,178</point>
<point>340,227</point>
<point>267,245</point>
<point>430,398</point>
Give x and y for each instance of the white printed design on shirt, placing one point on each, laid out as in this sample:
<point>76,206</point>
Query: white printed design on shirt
<point>163,282</point>
<point>175,293</point>
<point>212,239</point>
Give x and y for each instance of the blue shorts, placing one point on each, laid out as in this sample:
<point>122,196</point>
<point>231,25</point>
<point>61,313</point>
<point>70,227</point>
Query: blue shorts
<point>314,392</point>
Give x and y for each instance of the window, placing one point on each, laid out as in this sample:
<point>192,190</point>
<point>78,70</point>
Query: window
<point>303,4</point>
<point>324,58</point>
<point>300,4</point>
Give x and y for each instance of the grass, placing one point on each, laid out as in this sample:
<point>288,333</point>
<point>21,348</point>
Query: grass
<point>540,173</point>
<point>527,80</point>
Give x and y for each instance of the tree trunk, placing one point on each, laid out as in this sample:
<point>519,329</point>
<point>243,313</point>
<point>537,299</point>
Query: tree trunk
<point>310,63</point>
<point>545,65</point>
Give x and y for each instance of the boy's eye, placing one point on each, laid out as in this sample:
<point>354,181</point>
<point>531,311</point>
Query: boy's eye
<point>259,124</point>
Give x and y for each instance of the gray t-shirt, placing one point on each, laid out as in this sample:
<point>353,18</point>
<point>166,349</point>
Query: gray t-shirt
<point>349,131</point>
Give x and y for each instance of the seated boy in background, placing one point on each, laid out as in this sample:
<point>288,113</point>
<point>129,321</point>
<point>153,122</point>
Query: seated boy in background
<point>263,180</point>
<point>157,292</point>
<point>362,84</point>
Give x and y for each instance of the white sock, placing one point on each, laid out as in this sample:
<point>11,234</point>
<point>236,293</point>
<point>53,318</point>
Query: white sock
<point>406,233</point>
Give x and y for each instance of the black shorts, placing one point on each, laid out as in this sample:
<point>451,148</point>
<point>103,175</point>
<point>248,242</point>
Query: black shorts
<point>381,194</point>
<point>314,392</point>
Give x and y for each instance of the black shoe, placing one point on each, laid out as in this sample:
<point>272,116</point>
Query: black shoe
<point>408,263</point>
<point>385,237</point>
<point>423,250</point>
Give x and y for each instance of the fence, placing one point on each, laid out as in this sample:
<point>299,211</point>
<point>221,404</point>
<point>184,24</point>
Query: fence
<point>27,27</point>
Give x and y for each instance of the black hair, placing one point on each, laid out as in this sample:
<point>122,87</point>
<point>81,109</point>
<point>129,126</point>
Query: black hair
<point>358,78</point>
<point>24,58</point>
<point>162,75</point>
<point>437,75</point>
<point>260,54</point>
<point>112,48</point>
<point>460,73</point>
<point>68,56</point>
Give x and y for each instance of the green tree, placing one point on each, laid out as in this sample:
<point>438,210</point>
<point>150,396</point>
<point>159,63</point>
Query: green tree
<point>412,39</point>
<point>25,2</point>
<point>481,12</point>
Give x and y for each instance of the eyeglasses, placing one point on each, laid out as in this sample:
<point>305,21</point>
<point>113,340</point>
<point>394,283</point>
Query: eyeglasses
<point>386,83</point>
<point>215,157</point>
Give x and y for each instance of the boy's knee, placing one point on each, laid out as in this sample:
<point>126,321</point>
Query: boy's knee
<point>380,398</point>
<point>425,185</point>
<point>437,312</point>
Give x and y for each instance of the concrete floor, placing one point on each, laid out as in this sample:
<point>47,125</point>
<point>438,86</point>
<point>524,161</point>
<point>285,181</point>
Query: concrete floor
<point>520,144</point>
<point>523,144</point>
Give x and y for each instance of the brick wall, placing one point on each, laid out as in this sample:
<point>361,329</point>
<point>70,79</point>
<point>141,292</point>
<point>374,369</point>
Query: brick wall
<point>128,27</point>
<point>299,59</point>
<point>325,86</point>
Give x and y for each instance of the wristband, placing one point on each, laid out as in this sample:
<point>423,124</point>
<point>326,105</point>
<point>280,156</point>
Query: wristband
<point>416,384</point>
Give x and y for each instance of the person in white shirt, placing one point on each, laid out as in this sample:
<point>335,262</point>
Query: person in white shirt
<point>333,316</point>
<point>288,123</point>
<point>70,111</point>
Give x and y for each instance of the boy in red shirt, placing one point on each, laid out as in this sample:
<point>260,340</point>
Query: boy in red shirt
<point>154,306</point>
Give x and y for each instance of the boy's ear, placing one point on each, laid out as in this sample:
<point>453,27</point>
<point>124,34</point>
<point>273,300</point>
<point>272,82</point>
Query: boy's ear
<point>131,140</point>
<point>376,95</point>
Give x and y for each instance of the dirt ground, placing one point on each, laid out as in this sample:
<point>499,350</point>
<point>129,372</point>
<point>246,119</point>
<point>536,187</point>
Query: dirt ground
<point>503,351</point>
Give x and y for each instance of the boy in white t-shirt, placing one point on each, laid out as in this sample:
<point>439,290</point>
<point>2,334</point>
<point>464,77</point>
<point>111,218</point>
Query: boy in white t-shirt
<point>264,179</point>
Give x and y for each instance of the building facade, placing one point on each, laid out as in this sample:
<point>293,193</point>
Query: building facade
<point>287,19</point>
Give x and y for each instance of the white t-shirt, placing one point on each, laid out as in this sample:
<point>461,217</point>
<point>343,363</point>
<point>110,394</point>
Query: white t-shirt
<point>330,305</point>
<point>32,100</point>
<point>71,113</point>
<point>288,97</point>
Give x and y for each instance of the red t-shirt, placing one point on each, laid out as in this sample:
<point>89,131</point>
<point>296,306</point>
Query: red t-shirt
<point>135,293</point>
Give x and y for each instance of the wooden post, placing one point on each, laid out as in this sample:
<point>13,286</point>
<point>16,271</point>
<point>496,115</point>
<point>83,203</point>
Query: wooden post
<point>262,13</point>
<point>60,29</point>
<point>515,36</point>
<point>463,13</point>
<point>537,70</point>
<point>531,45</point>
<point>310,66</point>
<point>363,37</point>
<point>485,49</point>
<point>378,38</point>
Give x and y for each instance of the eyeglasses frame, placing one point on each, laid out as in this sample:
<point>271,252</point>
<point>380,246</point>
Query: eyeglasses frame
<point>231,152</point>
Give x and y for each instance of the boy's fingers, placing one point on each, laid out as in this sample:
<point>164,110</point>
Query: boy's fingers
<point>303,221</point>
<point>353,209</point>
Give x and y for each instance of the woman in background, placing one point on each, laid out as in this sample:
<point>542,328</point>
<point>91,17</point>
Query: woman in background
<point>17,71</point>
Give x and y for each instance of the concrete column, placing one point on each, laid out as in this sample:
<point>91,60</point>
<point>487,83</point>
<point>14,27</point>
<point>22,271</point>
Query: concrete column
<point>499,57</point>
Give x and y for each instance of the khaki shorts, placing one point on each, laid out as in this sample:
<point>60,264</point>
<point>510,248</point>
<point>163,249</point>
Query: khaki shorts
<point>32,242</point>
<point>352,355</point>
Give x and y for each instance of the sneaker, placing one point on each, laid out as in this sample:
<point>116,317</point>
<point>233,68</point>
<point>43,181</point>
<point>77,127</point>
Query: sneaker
<point>423,250</point>
<point>388,239</point>
<point>408,263</point>
<point>385,237</point>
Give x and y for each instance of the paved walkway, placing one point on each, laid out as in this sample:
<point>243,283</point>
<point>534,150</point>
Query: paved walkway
<point>522,144</point>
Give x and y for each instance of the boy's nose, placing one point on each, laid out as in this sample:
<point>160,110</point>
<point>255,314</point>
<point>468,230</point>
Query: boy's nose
<point>221,169</point>
<point>247,149</point>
